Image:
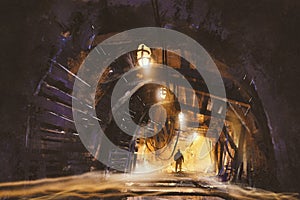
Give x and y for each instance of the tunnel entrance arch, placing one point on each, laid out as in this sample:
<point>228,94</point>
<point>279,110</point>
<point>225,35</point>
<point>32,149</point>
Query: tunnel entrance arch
<point>52,127</point>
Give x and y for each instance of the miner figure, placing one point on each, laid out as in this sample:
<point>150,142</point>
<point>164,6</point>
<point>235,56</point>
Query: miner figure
<point>179,159</point>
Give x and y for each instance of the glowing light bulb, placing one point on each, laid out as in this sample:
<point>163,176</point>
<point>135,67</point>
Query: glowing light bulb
<point>162,93</point>
<point>144,62</point>
<point>143,55</point>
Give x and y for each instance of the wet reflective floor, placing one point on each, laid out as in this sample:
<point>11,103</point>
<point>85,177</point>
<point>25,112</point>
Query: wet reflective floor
<point>97,185</point>
<point>174,198</point>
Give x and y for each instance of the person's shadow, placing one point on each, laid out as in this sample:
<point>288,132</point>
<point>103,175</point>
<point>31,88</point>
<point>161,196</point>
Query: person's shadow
<point>180,174</point>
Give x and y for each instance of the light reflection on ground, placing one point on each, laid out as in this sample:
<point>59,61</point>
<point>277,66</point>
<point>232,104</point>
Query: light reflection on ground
<point>97,185</point>
<point>174,198</point>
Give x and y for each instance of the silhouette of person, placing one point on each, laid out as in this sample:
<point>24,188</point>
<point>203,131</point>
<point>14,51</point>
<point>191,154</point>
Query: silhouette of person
<point>179,159</point>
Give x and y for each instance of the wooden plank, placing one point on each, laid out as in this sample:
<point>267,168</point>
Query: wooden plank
<point>52,144</point>
<point>56,107</point>
<point>241,118</point>
<point>66,137</point>
<point>56,94</point>
<point>56,120</point>
<point>69,156</point>
<point>61,80</point>
<point>49,131</point>
<point>60,102</point>
<point>204,112</point>
<point>57,139</point>
<point>61,76</point>
<point>204,104</point>
<point>55,150</point>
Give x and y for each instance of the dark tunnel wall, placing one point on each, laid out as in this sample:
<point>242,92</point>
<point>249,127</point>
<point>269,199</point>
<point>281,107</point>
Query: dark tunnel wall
<point>260,38</point>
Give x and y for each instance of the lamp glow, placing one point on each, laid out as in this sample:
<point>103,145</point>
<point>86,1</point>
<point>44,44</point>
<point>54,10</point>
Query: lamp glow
<point>181,116</point>
<point>162,93</point>
<point>144,62</point>
<point>143,55</point>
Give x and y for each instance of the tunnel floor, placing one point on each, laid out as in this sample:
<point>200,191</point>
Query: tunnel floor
<point>99,185</point>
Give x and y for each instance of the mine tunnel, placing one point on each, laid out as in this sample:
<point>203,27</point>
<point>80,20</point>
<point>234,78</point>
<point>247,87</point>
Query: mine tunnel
<point>246,138</point>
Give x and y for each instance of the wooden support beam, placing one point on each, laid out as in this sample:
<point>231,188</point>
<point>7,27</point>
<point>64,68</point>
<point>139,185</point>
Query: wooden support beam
<point>60,78</point>
<point>230,140</point>
<point>204,112</point>
<point>56,94</point>
<point>56,107</point>
<point>241,119</point>
<point>238,158</point>
<point>58,136</point>
<point>56,120</point>
<point>53,148</point>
